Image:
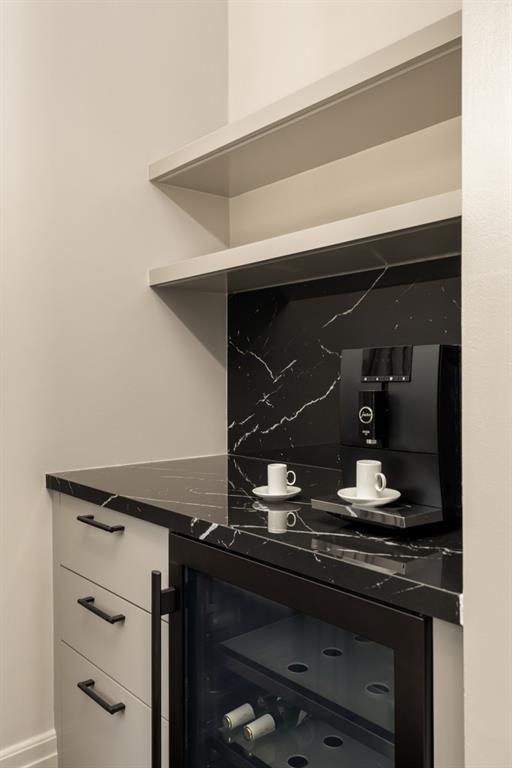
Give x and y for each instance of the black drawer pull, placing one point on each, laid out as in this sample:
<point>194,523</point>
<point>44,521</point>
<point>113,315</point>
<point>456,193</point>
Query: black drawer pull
<point>87,686</point>
<point>89,520</point>
<point>88,604</point>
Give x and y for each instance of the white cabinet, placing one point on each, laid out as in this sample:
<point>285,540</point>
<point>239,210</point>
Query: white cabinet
<point>106,637</point>
<point>120,561</point>
<point>122,647</point>
<point>91,736</point>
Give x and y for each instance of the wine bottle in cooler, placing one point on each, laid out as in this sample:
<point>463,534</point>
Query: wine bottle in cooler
<point>280,715</point>
<point>248,711</point>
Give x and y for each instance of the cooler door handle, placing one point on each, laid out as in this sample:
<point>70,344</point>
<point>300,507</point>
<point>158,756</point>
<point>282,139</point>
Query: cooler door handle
<point>163,602</point>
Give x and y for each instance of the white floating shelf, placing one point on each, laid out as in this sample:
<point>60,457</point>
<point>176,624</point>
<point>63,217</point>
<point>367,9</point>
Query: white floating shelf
<point>405,87</point>
<point>417,231</point>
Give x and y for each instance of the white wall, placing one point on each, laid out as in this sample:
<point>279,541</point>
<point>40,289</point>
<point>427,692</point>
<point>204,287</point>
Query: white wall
<point>279,46</point>
<point>94,363</point>
<point>487,381</point>
<point>97,369</point>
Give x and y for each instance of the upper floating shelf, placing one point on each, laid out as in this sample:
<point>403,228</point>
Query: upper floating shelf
<point>417,231</point>
<point>405,87</point>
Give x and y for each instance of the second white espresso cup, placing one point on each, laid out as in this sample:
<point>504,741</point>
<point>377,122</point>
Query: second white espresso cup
<point>370,481</point>
<point>278,478</point>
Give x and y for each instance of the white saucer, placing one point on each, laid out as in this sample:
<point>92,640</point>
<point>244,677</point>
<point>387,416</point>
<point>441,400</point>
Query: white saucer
<point>350,495</point>
<point>262,492</point>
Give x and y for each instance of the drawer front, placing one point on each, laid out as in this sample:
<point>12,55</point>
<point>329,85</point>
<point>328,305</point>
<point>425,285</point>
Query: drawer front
<point>93,738</point>
<point>121,649</point>
<point>121,561</point>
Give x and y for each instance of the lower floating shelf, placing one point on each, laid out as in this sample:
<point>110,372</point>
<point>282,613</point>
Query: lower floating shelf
<point>313,743</point>
<point>415,231</point>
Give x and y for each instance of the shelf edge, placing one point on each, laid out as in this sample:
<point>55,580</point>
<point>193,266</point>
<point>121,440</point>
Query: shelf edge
<point>311,98</point>
<point>372,224</point>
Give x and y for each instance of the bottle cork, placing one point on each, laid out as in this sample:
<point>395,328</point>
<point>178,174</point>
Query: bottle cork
<point>259,728</point>
<point>239,716</point>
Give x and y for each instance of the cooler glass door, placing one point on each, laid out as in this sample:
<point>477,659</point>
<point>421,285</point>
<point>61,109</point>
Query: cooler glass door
<point>272,670</point>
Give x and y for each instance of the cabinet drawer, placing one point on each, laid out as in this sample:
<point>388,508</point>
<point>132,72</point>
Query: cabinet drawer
<point>121,649</point>
<point>93,738</point>
<point>121,561</point>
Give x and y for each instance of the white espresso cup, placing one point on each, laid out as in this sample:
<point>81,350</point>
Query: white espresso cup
<point>370,481</point>
<point>278,478</point>
<point>279,520</point>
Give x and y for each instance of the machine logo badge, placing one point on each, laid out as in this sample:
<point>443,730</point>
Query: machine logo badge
<point>366,415</point>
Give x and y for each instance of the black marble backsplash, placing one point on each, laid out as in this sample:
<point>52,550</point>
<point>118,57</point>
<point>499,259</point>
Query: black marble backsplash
<point>285,345</point>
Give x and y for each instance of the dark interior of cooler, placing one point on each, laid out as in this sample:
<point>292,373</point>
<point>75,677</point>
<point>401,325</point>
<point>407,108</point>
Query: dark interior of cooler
<point>329,692</point>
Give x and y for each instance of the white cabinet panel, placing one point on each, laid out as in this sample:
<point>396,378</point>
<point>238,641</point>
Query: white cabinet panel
<point>93,738</point>
<point>121,562</point>
<point>122,649</point>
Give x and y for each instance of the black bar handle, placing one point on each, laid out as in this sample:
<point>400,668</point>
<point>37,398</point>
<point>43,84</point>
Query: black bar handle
<point>156,670</point>
<point>89,520</point>
<point>163,602</point>
<point>87,686</point>
<point>88,604</point>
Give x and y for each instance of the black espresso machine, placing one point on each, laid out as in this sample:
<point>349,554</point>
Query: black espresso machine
<point>402,406</point>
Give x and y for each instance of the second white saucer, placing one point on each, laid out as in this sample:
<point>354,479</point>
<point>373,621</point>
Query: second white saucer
<point>350,494</point>
<point>262,492</point>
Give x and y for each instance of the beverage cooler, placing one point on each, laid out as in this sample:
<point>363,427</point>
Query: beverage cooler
<point>269,669</point>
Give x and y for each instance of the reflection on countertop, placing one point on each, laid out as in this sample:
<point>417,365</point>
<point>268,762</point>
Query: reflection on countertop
<point>210,498</point>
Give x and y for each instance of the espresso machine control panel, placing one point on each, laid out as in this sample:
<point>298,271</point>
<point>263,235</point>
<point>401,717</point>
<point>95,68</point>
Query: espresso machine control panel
<point>379,367</point>
<point>386,364</point>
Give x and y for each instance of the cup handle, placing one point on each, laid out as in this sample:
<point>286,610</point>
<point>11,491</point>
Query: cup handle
<point>291,516</point>
<point>294,477</point>
<point>380,482</point>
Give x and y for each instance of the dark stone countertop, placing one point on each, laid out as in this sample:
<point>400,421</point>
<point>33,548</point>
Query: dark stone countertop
<point>209,498</point>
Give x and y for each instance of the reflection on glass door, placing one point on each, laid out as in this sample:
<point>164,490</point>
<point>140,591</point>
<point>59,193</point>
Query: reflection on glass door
<point>269,686</point>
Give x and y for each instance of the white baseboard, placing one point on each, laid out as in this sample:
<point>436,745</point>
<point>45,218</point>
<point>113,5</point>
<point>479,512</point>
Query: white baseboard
<point>38,752</point>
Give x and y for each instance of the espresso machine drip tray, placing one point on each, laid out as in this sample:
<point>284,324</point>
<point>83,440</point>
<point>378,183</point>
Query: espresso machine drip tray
<point>390,516</point>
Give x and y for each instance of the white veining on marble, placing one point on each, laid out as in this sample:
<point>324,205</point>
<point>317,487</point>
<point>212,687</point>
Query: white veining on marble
<point>379,584</point>
<point>301,519</point>
<point>265,397</point>
<point>360,299</point>
<point>235,534</point>
<point>408,589</point>
<point>195,478</point>
<point>209,530</point>
<point>330,351</point>
<point>285,418</point>
<point>177,501</point>
<point>406,290</point>
<point>241,423</point>
<point>245,436</point>
<point>110,498</point>
<point>240,471</point>
<point>275,377</point>
<point>286,368</point>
